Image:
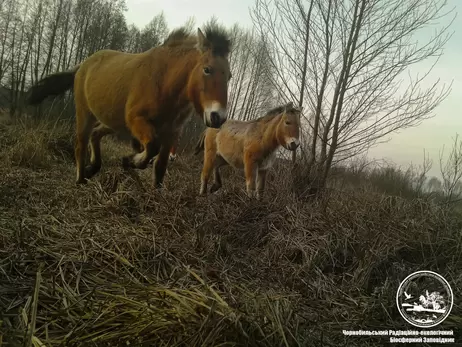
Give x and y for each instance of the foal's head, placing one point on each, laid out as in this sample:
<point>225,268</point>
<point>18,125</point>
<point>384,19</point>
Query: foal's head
<point>211,76</point>
<point>288,129</point>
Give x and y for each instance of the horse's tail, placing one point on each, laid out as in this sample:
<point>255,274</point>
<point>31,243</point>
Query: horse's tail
<point>53,84</point>
<point>200,144</point>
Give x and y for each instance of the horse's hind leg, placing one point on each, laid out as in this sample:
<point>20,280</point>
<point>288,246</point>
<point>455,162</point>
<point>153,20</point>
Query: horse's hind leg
<point>95,149</point>
<point>84,126</point>
<point>217,184</point>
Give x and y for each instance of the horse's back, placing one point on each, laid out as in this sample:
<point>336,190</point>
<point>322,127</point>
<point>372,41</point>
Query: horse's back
<point>103,84</point>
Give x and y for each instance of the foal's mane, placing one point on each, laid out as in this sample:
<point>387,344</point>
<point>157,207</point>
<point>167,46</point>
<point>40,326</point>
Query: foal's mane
<point>276,111</point>
<point>216,35</point>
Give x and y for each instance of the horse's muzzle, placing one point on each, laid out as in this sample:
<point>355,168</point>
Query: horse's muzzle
<point>215,120</point>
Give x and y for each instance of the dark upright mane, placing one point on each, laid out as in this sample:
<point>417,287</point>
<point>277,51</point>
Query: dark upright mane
<point>276,111</point>
<point>216,35</point>
<point>219,38</point>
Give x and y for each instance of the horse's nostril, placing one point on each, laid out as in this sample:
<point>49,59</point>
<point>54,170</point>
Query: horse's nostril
<point>214,117</point>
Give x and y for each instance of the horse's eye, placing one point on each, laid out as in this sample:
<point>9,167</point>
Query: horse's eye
<point>287,123</point>
<point>207,70</point>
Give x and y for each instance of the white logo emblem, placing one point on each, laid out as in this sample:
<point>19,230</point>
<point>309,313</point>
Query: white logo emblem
<point>424,299</point>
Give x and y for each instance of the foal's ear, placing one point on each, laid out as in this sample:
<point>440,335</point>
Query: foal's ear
<point>202,43</point>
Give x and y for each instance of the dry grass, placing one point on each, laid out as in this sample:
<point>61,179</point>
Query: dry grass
<point>116,263</point>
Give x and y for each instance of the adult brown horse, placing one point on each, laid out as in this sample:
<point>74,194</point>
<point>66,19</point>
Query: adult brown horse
<point>149,94</point>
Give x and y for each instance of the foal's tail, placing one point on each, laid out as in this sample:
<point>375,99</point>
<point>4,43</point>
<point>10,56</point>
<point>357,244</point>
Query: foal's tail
<point>53,84</point>
<point>200,143</point>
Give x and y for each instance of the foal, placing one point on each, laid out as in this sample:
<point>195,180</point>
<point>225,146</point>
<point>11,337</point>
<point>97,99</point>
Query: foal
<point>249,145</point>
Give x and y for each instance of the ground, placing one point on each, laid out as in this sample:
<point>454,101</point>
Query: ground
<point>115,262</point>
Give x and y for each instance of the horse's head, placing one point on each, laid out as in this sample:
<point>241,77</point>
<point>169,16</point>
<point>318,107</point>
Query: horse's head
<point>288,130</point>
<point>211,76</point>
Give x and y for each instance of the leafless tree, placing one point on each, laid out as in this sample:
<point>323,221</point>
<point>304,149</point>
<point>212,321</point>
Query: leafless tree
<point>154,33</point>
<point>434,185</point>
<point>357,54</point>
<point>451,170</point>
<point>422,173</point>
<point>251,90</point>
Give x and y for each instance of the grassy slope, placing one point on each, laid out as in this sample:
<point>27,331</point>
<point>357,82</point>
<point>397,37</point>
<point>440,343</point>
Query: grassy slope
<point>115,261</point>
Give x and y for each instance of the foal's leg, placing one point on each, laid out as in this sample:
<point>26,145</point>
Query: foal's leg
<point>95,149</point>
<point>217,184</point>
<point>209,160</point>
<point>84,125</point>
<point>261,180</point>
<point>250,173</point>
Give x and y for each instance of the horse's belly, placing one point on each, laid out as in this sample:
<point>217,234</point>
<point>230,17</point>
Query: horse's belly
<point>105,92</point>
<point>233,160</point>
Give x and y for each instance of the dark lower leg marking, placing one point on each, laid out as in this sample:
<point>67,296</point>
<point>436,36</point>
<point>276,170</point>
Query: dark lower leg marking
<point>160,165</point>
<point>142,159</point>
<point>217,184</point>
<point>95,146</point>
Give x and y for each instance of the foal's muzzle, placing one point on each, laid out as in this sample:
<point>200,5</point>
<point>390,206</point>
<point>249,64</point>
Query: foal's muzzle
<point>292,146</point>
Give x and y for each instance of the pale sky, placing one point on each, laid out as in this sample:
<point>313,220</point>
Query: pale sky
<point>404,147</point>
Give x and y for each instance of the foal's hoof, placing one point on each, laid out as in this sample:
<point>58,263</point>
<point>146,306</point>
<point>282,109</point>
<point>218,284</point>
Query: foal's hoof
<point>214,188</point>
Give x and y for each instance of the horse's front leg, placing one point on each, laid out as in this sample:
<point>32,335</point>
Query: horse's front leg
<point>160,165</point>
<point>145,140</point>
<point>261,180</point>
<point>250,173</point>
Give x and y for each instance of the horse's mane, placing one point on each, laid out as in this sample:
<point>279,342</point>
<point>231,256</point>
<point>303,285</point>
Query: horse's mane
<point>276,111</point>
<point>216,34</point>
<point>179,36</point>
<point>219,38</point>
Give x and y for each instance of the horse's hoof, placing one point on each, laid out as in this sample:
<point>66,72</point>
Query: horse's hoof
<point>90,171</point>
<point>81,181</point>
<point>142,166</point>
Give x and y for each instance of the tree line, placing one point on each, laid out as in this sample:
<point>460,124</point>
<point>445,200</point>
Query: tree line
<point>39,37</point>
<point>345,62</point>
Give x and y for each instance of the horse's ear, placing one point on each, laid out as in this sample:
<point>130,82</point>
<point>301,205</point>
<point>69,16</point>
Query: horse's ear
<point>202,43</point>
<point>288,106</point>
